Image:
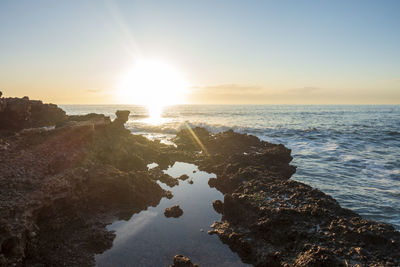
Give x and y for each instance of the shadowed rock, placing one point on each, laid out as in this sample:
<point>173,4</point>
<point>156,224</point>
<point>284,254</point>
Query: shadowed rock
<point>122,116</point>
<point>182,261</point>
<point>59,189</point>
<point>20,113</point>
<point>93,118</point>
<point>268,218</point>
<point>183,177</point>
<point>218,206</point>
<point>158,175</point>
<point>174,211</point>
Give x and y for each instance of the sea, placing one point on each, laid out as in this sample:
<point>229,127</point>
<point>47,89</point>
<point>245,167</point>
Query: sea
<point>349,152</point>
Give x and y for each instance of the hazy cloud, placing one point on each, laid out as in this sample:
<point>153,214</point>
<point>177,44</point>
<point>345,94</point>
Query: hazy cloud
<point>230,94</point>
<point>252,94</point>
<point>229,89</point>
<point>304,90</point>
<point>93,90</point>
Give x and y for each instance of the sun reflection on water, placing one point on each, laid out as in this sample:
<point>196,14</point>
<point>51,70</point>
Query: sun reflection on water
<point>155,115</point>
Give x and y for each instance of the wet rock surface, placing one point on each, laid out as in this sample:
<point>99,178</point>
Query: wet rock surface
<point>174,211</point>
<point>60,187</point>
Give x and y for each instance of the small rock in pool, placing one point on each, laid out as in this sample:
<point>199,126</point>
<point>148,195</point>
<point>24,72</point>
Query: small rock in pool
<point>194,171</point>
<point>168,194</point>
<point>182,261</point>
<point>174,211</point>
<point>183,177</point>
<point>212,182</point>
<point>190,181</point>
<point>218,206</point>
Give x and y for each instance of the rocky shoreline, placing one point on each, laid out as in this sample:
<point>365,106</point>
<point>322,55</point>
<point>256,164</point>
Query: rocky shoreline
<point>60,186</point>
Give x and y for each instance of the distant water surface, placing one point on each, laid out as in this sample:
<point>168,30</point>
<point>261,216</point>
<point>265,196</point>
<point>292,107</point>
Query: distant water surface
<point>349,152</point>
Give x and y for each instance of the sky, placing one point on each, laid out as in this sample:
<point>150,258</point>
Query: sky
<point>229,52</point>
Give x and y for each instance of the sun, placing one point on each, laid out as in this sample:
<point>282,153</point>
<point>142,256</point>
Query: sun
<point>154,84</point>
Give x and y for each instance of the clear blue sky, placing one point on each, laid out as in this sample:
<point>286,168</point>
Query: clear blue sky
<point>229,51</point>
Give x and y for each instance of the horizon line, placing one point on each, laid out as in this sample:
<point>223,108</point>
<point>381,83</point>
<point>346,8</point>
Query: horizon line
<point>196,104</point>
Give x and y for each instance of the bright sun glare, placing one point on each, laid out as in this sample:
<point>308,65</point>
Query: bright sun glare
<point>155,85</point>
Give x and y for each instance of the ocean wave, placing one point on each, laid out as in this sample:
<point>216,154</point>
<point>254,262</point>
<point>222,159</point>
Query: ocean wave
<point>261,132</point>
<point>173,128</point>
<point>392,133</point>
<point>139,116</point>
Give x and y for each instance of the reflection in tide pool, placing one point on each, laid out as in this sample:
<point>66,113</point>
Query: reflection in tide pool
<point>151,239</point>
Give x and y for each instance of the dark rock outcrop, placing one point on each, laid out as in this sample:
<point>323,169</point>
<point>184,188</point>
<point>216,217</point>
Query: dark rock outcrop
<point>158,175</point>
<point>59,189</point>
<point>183,177</point>
<point>182,261</point>
<point>271,220</point>
<point>218,206</point>
<point>174,211</point>
<point>20,113</point>
<point>92,118</point>
<point>122,117</point>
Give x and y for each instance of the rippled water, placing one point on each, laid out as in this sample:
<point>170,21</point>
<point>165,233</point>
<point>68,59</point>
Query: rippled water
<point>349,152</point>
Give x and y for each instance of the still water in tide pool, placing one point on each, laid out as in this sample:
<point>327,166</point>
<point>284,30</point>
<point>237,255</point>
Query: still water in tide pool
<point>150,239</point>
<point>349,152</point>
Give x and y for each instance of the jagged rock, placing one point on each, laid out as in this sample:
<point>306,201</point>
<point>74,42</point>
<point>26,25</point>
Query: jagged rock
<point>269,218</point>
<point>212,182</point>
<point>168,194</point>
<point>68,183</point>
<point>174,211</point>
<point>318,256</point>
<point>20,113</point>
<point>122,116</point>
<point>182,261</point>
